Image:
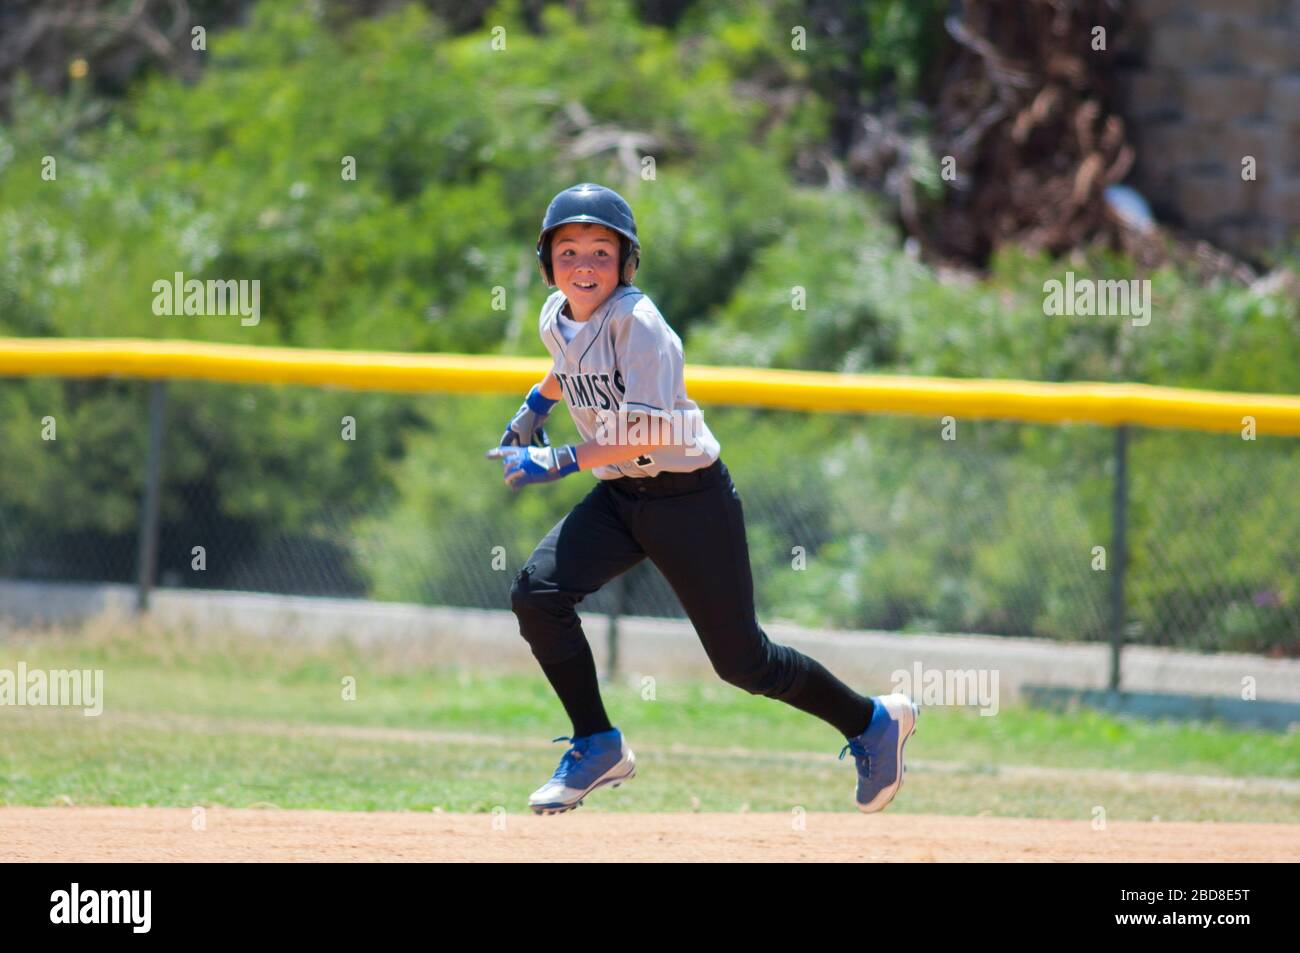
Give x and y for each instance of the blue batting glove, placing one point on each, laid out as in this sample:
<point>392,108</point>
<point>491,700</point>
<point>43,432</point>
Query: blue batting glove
<point>525,427</point>
<point>525,465</point>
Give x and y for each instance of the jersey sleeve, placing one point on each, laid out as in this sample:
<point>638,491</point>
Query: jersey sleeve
<point>650,357</point>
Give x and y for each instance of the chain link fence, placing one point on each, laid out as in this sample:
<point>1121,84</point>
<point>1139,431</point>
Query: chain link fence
<point>1171,538</point>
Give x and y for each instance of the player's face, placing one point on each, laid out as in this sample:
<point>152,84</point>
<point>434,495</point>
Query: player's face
<point>584,260</point>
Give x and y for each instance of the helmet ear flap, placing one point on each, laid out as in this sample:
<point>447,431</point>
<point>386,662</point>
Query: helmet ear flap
<point>544,260</point>
<point>631,261</point>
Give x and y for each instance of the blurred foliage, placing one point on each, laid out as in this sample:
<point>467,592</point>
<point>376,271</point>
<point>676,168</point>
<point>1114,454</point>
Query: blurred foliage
<point>904,38</point>
<point>458,148</point>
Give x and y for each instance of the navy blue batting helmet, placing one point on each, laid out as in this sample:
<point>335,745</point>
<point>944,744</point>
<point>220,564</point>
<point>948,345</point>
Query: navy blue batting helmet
<point>593,203</point>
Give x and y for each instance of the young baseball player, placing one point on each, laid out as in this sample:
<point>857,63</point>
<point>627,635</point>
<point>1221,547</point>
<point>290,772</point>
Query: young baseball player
<point>661,493</point>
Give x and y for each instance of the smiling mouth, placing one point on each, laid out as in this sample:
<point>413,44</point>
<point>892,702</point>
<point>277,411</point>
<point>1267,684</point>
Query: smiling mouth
<point>585,285</point>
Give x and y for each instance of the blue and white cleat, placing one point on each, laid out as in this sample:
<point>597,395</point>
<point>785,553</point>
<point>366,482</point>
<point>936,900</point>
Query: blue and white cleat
<point>590,763</point>
<point>878,751</point>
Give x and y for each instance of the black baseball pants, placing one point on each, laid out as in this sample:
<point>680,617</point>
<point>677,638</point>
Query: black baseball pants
<point>692,527</point>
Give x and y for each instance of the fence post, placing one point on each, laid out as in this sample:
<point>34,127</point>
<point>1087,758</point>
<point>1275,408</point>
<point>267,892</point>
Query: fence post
<point>619,585</point>
<point>148,549</point>
<point>1119,554</point>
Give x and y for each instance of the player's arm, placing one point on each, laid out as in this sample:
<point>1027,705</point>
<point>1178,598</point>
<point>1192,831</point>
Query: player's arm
<point>550,387</point>
<point>525,427</point>
<point>650,360</point>
<point>602,453</point>
<point>646,350</point>
<point>525,465</point>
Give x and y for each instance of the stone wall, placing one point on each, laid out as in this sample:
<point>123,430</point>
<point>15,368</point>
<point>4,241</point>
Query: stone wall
<point>1211,82</point>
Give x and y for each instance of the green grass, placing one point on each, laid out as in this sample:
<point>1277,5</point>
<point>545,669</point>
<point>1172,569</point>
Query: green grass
<point>240,723</point>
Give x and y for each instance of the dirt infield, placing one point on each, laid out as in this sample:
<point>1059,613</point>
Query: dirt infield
<point>219,834</point>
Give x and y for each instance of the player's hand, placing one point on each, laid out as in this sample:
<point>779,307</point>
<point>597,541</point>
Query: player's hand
<point>525,428</point>
<point>525,465</point>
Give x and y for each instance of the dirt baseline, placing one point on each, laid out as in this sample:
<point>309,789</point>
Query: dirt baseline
<point>220,834</point>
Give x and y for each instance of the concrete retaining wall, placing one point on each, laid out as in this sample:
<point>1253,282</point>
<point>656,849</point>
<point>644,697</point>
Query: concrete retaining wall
<point>663,648</point>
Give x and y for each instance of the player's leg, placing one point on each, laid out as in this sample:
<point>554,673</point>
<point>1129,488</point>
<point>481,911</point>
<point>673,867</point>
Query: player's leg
<point>697,540</point>
<point>581,553</point>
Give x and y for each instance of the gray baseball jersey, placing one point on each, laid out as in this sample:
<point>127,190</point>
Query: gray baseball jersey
<point>623,373</point>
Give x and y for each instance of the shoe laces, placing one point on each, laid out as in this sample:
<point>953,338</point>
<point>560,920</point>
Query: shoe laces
<point>860,756</point>
<point>577,750</point>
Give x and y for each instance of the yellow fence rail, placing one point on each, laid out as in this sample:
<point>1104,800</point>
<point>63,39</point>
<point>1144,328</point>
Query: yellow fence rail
<point>1109,404</point>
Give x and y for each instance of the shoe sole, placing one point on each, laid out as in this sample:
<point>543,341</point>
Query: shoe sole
<point>603,781</point>
<point>903,735</point>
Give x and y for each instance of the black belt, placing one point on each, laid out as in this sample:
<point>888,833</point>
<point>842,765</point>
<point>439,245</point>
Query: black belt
<point>669,483</point>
